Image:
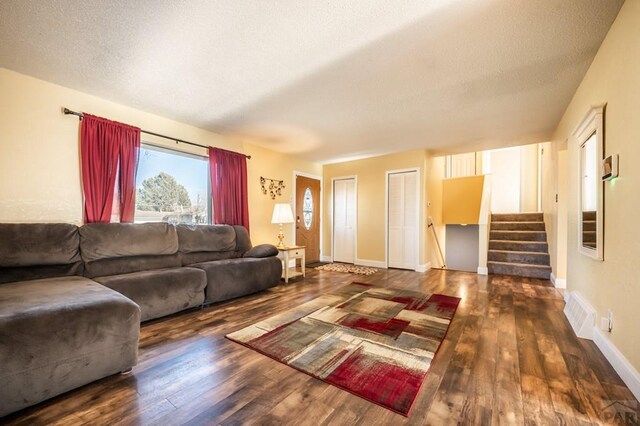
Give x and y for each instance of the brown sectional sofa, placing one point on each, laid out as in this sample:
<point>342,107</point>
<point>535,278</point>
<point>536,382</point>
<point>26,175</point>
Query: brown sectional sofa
<point>72,299</point>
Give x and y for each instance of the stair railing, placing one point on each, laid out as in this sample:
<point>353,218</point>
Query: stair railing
<point>435,235</point>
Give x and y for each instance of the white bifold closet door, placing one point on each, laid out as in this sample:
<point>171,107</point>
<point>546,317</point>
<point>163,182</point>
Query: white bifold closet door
<point>403,220</point>
<point>344,220</point>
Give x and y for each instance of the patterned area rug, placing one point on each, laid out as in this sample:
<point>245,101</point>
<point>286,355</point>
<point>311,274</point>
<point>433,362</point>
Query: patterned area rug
<point>345,267</point>
<point>374,342</point>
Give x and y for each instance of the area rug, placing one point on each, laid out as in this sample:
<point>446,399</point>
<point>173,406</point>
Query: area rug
<point>345,267</point>
<point>374,342</point>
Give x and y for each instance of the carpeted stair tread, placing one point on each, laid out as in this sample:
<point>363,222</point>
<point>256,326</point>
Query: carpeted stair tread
<point>518,226</point>
<point>519,269</point>
<point>514,256</point>
<point>511,217</point>
<point>514,245</point>
<point>518,235</point>
<point>520,264</point>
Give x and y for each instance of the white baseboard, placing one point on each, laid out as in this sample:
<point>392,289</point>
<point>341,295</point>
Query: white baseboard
<point>424,267</point>
<point>372,263</point>
<point>483,270</point>
<point>623,367</point>
<point>558,282</point>
<point>324,258</point>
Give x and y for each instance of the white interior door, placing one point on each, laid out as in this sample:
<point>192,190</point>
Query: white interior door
<point>403,220</point>
<point>344,220</point>
<point>462,165</point>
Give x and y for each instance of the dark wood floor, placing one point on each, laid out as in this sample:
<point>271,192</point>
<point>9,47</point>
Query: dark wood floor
<point>510,357</point>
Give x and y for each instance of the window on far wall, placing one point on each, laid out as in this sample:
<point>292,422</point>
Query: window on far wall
<point>172,186</point>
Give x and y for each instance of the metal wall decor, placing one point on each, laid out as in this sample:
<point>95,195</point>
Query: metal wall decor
<point>274,188</point>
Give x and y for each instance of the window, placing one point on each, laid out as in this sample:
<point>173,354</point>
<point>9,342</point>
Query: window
<point>172,187</point>
<point>307,208</point>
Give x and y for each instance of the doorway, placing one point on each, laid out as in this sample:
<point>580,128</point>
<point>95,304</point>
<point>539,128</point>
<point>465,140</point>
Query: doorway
<point>403,195</point>
<point>344,219</point>
<point>307,220</point>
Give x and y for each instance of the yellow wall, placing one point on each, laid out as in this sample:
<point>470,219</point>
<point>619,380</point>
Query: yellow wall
<point>461,199</point>
<point>435,175</point>
<point>39,158</point>
<point>614,78</point>
<point>371,201</point>
<point>274,165</point>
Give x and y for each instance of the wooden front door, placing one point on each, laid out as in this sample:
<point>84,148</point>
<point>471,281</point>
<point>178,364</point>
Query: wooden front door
<point>308,216</point>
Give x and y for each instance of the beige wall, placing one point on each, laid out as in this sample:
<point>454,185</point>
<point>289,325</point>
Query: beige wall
<point>435,174</point>
<point>549,205</point>
<point>614,78</point>
<point>529,178</point>
<point>39,159</point>
<point>370,244</point>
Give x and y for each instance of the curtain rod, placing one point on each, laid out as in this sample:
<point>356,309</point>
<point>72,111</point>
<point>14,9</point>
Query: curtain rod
<point>67,111</point>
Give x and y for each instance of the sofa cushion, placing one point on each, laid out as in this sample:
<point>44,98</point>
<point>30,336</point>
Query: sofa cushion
<point>227,279</point>
<point>209,238</point>
<point>160,292</point>
<point>27,273</point>
<point>31,244</point>
<point>262,250</point>
<point>243,242</point>
<point>110,240</point>
<point>32,251</point>
<point>126,265</point>
<point>61,333</point>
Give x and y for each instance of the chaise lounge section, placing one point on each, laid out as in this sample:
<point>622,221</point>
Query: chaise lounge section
<point>60,331</point>
<point>72,299</point>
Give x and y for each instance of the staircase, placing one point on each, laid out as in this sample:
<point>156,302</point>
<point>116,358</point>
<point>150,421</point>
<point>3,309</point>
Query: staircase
<point>518,245</point>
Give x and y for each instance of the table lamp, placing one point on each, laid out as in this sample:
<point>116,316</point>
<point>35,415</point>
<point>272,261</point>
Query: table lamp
<point>281,214</point>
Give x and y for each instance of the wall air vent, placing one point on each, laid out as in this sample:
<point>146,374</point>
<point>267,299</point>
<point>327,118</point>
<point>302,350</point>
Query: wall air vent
<point>581,315</point>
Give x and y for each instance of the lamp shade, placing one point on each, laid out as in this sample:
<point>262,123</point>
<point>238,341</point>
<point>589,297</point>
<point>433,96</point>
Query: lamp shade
<point>282,213</point>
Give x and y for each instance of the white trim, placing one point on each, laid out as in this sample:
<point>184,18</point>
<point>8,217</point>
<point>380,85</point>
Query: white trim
<point>558,282</point>
<point>593,122</point>
<point>386,211</point>
<point>423,267</point>
<point>567,296</point>
<point>355,231</point>
<point>483,270</point>
<point>372,263</point>
<point>293,203</point>
<point>627,372</point>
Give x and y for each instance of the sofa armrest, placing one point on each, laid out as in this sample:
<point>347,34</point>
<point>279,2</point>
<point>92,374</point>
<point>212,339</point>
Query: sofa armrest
<point>262,250</point>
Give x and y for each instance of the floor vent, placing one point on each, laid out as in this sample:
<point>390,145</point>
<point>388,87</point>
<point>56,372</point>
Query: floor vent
<point>581,315</point>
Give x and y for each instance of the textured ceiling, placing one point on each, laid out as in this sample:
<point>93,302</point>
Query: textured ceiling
<point>326,80</point>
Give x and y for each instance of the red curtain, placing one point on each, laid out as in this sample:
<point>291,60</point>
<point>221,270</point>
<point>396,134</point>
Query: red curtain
<point>228,173</point>
<point>129,150</point>
<point>104,143</point>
